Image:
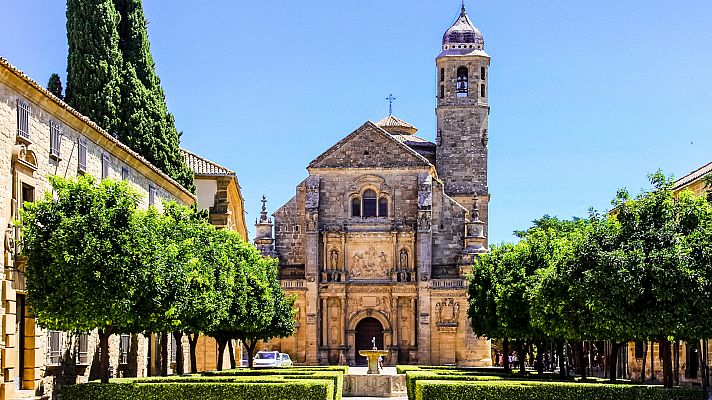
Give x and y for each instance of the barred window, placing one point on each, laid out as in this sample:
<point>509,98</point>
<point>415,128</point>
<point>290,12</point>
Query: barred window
<point>124,173</point>
<point>55,138</point>
<point>124,345</point>
<point>482,90</point>
<point>23,119</point>
<point>151,195</point>
<point>55,347</point>
<point>83,349</point>
<point>105,165</point>
<point>82,155</point>
<point>442,74</point>
<point>482,73</point>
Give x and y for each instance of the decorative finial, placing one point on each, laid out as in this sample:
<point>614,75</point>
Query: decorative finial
<point>462,8</point>
<point>390,99</point>
<point>475,211</point>
<point>263,214</point>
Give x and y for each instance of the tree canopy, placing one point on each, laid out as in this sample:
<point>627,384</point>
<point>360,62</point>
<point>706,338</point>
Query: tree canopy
<point>95,261</point>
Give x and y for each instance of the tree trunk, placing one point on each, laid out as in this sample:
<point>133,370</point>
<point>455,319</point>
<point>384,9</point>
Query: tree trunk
<point>193,342</point>
<point>164,354</point>
<point>180,370</point>
<point>149,358</point>
<point>231,352</point>
<point>613,361</point>
<point>250,344</point>
<point>581,360</point>
<point>222,343</point>
<point>540,359</point>
<point>520,355</point>
<point>703,364</point>
<point>505,358</point>
<point>667,363</point>
<point>676,367</point>
<point>104,335</point>
<point>562,359</point>
<point>645,357</point>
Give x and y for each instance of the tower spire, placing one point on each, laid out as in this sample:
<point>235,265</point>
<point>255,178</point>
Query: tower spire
<point>462,8</point>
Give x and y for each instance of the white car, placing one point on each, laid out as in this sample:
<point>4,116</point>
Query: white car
<point>286,361</point>
<point>267,359</point>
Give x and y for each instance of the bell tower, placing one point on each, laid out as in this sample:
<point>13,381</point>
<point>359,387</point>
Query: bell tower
<point>462,114</point>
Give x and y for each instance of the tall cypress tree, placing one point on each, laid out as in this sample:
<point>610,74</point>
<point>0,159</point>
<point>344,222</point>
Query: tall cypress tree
<point>94,62</point>
<point>147,126</point>
<point>55,86</point>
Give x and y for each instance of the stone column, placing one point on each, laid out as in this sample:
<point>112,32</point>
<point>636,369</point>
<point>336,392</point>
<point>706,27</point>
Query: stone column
<point>424,248</point>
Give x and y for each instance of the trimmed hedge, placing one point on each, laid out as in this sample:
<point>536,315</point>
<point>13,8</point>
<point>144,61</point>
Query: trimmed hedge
<point>411,377</point>
<point>336,375</point>
<point>305,390</point>
<point>513,390</point>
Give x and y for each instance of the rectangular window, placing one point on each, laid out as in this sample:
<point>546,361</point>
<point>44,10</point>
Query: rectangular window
<point>28,194</point>
<point>442,91</point>
<point>82,155</point>
<point>55,139</point>
<point>124,345</point>
<point>124,173</point>
<point>23,119</point>
<point>83,349</point>
<point>442,74</point>
<point>639,349</point>
<point>55,347</point>
<point>482,90</point>
<point>104,165</point>
<point>482,73</point>
<point>151,195</point>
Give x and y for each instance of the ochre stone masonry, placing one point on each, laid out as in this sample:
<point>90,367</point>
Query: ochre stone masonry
<point>378,239</point>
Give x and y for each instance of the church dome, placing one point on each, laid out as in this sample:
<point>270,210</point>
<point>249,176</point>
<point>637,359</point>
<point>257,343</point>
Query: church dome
<point>463,33</point>
<point>395,125</point>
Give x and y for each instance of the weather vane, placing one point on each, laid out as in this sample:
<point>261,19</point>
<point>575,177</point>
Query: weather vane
<point>390,99</point>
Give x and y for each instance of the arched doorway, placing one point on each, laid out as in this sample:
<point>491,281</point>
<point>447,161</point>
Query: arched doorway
<point>366,330</point>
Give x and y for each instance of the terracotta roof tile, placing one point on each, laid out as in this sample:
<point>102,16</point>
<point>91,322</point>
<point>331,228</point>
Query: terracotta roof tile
<point>693,176</point>
<point>203,166</point>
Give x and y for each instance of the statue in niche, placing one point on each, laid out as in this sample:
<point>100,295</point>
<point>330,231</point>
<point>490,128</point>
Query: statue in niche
<point>333,259</point>
<point>404,260</point>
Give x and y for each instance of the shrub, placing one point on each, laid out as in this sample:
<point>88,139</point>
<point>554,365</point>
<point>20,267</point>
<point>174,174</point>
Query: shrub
<point>512,390</point>
<point>336,375</point>
<point>307,390</point>
<point>411,377</point>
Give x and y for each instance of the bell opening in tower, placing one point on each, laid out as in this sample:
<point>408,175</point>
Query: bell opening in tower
<point>462,82</point>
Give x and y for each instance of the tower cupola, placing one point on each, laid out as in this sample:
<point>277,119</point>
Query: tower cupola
<point>463,34</point>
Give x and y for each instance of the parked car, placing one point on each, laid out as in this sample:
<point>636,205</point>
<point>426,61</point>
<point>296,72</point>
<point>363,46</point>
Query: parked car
<point>267,359</point>
<point>286,361</point>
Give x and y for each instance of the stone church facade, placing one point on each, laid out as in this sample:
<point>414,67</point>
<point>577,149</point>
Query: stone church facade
<point>379,237</point>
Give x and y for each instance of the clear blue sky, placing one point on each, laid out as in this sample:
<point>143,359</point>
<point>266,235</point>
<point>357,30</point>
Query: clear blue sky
<point>586,96</point>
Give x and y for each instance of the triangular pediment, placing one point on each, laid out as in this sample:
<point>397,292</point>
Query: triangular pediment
<point>369,147</point>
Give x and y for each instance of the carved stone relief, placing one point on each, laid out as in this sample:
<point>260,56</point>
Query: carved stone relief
<point>312,199</point>
<point>369,264</point>
<point>448,313</point>
<point>425,191</point>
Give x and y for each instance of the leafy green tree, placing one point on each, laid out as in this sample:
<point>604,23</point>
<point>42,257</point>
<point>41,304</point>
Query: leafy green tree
<point>55,86</point>
<point>94,62</point>
<point>482,291</point>
<point>146,125</point>
<point>83,270</point>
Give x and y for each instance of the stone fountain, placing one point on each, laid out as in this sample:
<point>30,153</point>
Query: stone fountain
<point>373,356</point>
